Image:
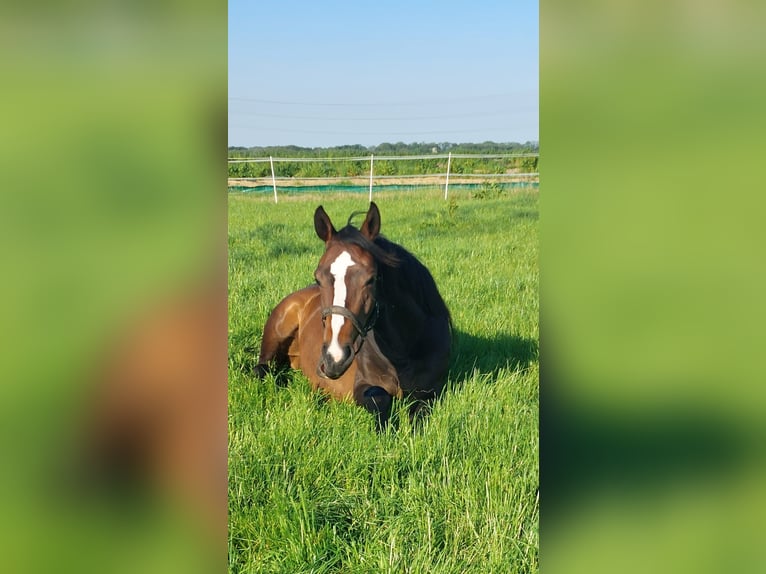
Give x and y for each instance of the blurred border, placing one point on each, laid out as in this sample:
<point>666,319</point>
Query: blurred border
<point>652,426</point>
<point>113,225</point>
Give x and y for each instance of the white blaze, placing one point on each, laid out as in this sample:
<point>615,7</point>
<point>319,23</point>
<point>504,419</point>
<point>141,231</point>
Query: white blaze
<point>338,270</point>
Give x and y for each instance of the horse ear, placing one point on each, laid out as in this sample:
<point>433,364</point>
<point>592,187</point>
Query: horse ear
<point>371,226</point>
<point>322,224</point>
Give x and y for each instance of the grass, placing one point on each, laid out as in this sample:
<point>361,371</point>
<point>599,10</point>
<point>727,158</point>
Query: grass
<point>312,487</point>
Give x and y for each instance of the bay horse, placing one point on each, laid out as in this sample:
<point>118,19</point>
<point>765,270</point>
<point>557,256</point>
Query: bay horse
<point>373,327</point>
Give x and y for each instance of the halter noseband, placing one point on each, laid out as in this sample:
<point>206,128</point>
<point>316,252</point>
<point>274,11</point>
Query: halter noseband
<point>362,329</point>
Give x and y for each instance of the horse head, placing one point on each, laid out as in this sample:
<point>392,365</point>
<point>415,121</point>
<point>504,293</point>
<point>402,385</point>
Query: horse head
<point>346,275</point>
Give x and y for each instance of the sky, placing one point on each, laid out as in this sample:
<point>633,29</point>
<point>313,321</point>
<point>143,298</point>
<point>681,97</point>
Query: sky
<point>322,74</point>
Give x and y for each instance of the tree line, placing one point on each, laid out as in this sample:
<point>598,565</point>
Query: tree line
<point>355,168</point>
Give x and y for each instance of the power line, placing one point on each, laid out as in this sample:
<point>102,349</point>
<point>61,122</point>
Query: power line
<point>430,102</point>
<point>376,133</point>
<point>376,119</point>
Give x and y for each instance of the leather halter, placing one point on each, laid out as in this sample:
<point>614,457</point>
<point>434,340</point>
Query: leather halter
<point>362,329</point>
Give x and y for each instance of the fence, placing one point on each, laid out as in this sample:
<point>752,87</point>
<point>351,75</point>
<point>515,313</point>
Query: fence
<point>520,167</point>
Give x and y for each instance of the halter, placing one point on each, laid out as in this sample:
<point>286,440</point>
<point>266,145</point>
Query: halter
<point>363,330</point>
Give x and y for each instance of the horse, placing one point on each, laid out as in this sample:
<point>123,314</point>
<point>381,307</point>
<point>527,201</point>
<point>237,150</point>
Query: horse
<point>373,326</point>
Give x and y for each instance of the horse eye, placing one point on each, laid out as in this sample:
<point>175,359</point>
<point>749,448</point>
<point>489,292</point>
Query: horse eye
<point>371,280</point>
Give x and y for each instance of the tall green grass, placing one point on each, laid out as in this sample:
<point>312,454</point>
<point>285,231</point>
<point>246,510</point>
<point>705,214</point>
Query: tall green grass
<point>312,487</point>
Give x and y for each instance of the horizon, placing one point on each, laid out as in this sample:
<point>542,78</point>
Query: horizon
<point>535,144</point>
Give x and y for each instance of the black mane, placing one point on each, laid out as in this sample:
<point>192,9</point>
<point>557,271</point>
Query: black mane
<point>378,249</point>
<point>398,270</point>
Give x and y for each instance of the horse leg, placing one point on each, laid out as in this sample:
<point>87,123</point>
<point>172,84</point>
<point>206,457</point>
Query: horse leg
<point>377,401</point>
<point>279,333</point>
<point>432,377</point>
<point>421,406</point>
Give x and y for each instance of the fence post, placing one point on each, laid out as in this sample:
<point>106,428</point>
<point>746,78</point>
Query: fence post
<point>273,179</point>
<point>446,182</point>
<point>371,158</point>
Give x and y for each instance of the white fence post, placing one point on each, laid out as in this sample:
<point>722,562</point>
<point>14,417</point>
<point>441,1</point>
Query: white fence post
<point>446,182</point>
<point>273,179</point>
<point>371,158</point>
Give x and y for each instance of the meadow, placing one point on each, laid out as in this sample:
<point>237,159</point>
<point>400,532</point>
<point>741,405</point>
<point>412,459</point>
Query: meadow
<point>312,486</point>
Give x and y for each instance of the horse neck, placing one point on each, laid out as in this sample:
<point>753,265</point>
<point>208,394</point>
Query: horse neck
<point>399,323</point>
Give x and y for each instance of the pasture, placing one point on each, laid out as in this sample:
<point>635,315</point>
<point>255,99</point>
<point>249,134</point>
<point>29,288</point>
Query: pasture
<point>312,486</point>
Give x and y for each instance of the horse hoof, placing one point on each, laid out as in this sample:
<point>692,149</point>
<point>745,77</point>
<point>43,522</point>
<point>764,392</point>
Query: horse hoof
<point>377,401</point>
<point>260,371</point>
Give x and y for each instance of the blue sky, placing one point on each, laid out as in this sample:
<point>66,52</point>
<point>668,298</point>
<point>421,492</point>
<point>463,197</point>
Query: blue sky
<point>326,73</point>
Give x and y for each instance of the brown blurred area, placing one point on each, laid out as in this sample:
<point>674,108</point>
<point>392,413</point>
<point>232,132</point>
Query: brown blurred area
<point>155,424</point>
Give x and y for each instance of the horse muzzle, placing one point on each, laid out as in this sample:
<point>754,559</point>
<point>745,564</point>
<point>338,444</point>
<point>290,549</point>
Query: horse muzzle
<point>330,368</point>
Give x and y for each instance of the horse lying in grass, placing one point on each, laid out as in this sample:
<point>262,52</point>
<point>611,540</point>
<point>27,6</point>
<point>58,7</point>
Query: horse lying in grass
<point>373,327</point>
